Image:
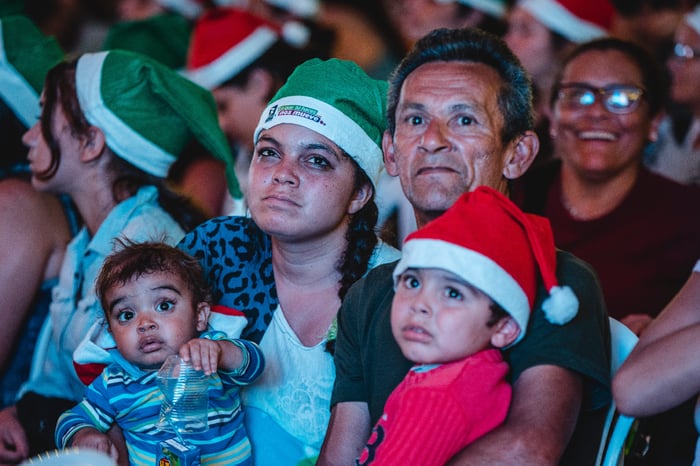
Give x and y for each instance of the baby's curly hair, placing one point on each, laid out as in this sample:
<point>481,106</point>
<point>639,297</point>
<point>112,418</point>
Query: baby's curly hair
<point>132,260</point>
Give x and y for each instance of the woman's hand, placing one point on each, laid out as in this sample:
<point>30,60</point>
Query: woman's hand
<point>14,446</point>
<point>88,437</point>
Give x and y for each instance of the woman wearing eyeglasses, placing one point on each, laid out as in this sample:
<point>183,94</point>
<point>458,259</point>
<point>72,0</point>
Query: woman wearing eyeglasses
<point>640,232</point>
<point>677,153</point>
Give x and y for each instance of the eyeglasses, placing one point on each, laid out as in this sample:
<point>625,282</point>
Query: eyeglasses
<point>617,98</point>
<point>685,52</point>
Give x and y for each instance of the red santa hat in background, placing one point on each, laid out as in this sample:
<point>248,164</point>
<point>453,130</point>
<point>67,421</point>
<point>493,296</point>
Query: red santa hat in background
<point>576,20</point>
<point>225,41</point>
<point>486,240</point>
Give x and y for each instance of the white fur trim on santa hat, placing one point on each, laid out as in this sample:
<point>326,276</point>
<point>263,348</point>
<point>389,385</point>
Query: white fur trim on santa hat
<point>475,268</point>
<point>495,8</point>
<point>301,8</point>
<point>188,8</point>
<point>17,93</point>
<point>693,19</point>
<point>327,121</point>
<point>557,18</point>
<point>234,60</point>
<point>121,138</point>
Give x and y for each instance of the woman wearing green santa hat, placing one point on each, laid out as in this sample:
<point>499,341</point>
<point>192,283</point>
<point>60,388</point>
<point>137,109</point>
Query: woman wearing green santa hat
<point>316,161</point>
<point>35,226</point>
<point>112,123</point>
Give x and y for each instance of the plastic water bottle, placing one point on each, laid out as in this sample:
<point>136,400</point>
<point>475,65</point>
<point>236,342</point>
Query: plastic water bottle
<point>186,397</point>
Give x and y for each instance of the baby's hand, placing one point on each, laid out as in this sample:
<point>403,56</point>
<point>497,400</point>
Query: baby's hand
<point>203,354</point>
<point>88,437</point>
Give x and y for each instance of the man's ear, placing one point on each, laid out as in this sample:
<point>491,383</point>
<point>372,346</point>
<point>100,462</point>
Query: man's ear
<point>93,144</point>
<point>360,198</point>
<point>505,333</point>
<point>203,311</point>
<point>522,152</point>
<point>389,155</point>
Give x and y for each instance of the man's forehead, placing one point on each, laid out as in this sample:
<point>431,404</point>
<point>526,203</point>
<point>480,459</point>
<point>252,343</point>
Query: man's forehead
<point>459,82</point>
<point>455,73</point>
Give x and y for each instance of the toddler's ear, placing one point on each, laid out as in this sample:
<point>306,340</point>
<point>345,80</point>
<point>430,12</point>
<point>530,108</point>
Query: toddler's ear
<point>203,311</point>
<point>505,332</point>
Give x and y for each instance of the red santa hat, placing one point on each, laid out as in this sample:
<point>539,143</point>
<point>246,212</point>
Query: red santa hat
<point>490,243</point>
<point>576,20</point>
<point>224,42</point>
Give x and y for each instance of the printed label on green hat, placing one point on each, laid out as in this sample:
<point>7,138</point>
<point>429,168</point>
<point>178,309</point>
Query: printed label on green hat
<point>300,111</point>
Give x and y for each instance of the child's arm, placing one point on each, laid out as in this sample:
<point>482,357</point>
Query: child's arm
<point>241,359</point>
<point>84,424</point>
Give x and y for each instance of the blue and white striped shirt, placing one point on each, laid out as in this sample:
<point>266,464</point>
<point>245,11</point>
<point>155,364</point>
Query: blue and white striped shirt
<point>132,400</point>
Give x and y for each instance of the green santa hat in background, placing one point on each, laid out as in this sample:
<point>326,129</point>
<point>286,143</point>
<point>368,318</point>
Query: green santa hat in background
<point>336,99</point>
<point>26,55</point>
<point>164,37</point>
<point>148,112</point>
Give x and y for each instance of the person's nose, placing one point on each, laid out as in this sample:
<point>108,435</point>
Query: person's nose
<point>285,173</point>
<point>422,305</point>
<point>597,108</point>
<point>30,137</point>
<point>146,324</point>
<point>435,137</point>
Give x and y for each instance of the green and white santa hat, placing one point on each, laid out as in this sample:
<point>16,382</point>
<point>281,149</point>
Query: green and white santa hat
<point>147,111</point>
<point>26,55</point>
<point>487,241</point>
<point>164,37</point>
<point>336,99</point>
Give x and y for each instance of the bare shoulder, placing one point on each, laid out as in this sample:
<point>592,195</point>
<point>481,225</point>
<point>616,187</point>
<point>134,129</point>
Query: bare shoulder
<point>33,222</point>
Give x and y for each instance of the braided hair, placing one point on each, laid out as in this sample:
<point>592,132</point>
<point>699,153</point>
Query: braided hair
<point>361,238</point>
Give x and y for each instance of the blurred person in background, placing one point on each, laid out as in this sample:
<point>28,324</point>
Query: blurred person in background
<point>677,152</point>
<point>541,33</point>
<point>35,227</point>
<point>243,59</point>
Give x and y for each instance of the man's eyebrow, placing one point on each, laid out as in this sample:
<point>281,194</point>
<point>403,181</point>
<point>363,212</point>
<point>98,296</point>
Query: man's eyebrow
<point>461,106</point>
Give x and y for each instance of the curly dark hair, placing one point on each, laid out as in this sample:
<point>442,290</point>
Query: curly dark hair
<point>132,260</point>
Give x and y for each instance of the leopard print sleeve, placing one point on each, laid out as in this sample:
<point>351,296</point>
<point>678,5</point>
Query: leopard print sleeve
<point>237,259</point>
